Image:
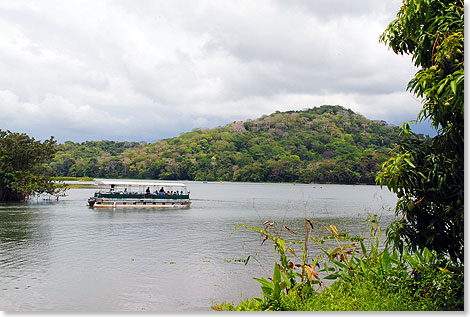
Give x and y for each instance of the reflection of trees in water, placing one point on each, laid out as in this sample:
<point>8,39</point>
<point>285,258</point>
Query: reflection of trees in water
<point>17,224</point>
<point>23,237</point>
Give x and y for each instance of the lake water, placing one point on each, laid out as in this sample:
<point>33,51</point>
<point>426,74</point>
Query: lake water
<point>64,256</point>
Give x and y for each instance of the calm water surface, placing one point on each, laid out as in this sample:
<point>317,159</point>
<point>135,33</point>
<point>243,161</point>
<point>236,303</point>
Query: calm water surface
<point>64,256</point>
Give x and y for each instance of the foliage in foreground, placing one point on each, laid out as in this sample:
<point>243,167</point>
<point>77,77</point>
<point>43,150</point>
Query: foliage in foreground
<point>428,175</point>
<point>367,278</point>
<point>358,295</point>
<point>22,166</point>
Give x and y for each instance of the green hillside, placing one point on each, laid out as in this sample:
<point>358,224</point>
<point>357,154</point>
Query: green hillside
<point>327,144</point>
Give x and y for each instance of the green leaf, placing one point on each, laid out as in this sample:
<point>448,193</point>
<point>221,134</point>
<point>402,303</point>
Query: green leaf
<point>277,291</point>
<point>277,274</point>
<point>411,261</point>
<point>409,162</point>
<point>453,87</point>
<point>288,283</point>
<point>333,276</point>
<point>267,292</point>
<point>395,258</point>
<point>363,266</point>
<point>315,261</point>
<point>327,269</point>
<point>342,265</point>
<point>427,255</point>
<point>264,282</point>
<point>442,86</point>
<point>363,248</point>
<point>386,264</point>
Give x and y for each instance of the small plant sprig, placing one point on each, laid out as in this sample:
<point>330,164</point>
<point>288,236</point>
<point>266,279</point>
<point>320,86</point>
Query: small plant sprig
<point>285,278</point>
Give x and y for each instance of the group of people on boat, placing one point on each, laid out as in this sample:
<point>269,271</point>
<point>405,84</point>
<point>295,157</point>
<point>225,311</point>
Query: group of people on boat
<point>148,192</point>
<point>163,192</point>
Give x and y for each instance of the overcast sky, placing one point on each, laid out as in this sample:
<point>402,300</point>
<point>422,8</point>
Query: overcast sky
<point>147,70</point>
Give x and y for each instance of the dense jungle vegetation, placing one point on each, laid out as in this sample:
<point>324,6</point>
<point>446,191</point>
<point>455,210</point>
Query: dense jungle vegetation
<point>327,144</point>
<point>22,170</point>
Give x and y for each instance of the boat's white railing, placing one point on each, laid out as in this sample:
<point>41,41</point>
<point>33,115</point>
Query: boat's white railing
<point>129,186</point>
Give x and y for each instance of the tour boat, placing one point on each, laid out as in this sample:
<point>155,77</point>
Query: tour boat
<point>128,194</point>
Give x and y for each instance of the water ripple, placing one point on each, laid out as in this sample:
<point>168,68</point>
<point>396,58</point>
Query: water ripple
<point>64,256</point>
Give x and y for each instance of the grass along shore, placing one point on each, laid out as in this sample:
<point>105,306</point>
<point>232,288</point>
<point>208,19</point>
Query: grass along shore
<point>73,179</point>
<point>367,276</point>
<point>76,181</point>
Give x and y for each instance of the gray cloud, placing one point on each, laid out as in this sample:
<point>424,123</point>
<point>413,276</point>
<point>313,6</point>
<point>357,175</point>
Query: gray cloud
<point>147,70</point>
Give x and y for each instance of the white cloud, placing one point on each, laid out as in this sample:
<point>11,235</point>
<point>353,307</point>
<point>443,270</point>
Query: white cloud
<point>147,70</point>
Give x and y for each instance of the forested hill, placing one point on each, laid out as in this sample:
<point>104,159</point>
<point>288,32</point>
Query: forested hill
<point>327,144</point>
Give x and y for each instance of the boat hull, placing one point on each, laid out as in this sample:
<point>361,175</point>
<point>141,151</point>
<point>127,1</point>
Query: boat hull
<point>104,203</point>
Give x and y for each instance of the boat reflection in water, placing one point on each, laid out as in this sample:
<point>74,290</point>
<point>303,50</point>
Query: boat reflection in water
<point>128,194</point>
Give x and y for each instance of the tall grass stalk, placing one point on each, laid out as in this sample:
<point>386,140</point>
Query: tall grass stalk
<point>363,278</point>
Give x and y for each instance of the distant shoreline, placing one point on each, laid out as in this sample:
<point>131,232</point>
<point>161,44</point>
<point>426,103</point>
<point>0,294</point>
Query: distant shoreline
<point>73,179</point>
<point>75,182</point>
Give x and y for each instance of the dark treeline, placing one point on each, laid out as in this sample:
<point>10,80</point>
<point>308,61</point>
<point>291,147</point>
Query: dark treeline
<point>327,144</point>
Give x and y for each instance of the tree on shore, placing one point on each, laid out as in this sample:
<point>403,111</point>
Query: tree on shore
<point>22,166</point>
<point>428,175</point>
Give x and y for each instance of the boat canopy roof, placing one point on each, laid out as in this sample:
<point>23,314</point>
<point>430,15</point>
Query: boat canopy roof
<point>131,183</point>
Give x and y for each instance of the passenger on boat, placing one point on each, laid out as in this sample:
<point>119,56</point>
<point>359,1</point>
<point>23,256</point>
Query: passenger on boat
<point>147,191</point>
<point>162,191</point>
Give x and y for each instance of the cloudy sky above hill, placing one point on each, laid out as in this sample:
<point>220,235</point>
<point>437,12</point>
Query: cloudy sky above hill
<point>147,70</point>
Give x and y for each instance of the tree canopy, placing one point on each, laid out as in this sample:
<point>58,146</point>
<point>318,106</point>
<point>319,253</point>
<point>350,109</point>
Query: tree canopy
<point>327,144</point>
<point>22,166</point>
<point>428,175</point>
